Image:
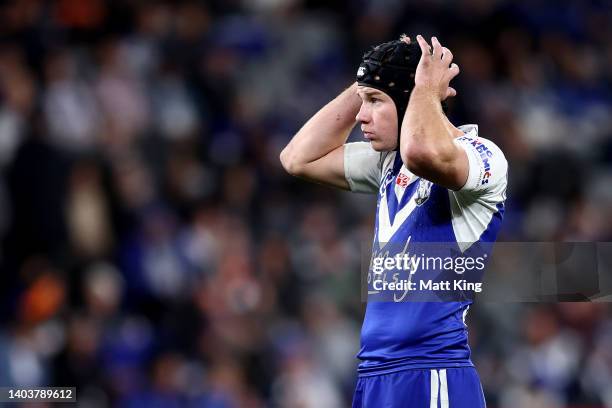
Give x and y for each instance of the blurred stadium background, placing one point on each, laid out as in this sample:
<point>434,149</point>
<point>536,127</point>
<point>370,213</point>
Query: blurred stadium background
<point>155,254</point>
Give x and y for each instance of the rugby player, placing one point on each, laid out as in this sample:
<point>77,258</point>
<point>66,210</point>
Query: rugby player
<point>435,182</point>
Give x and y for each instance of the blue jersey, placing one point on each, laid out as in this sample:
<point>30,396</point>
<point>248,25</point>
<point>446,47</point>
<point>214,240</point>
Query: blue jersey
<point>411,210</point>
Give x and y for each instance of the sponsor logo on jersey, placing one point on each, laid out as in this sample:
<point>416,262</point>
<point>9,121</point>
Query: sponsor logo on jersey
<point>485,155</point>
<point>402,180</point>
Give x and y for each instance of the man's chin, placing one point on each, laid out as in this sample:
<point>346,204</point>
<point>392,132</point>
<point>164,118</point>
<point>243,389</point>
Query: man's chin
<point>380,147</point>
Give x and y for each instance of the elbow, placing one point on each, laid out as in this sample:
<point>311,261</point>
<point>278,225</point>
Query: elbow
<point>417,158</point>
<point>289,162</point>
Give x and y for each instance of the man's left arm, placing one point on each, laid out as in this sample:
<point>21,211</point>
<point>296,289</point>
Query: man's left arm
<point>426,147</point>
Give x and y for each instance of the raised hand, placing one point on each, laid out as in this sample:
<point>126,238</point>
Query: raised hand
<point>435,69</point>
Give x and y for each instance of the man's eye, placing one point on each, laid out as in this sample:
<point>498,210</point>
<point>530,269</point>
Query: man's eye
<point>374,100</point>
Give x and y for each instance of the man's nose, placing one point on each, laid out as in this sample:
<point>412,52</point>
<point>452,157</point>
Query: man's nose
<point>363,115</point>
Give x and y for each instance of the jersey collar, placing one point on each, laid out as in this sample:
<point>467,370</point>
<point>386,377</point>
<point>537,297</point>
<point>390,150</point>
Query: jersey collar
<point>469,128</point>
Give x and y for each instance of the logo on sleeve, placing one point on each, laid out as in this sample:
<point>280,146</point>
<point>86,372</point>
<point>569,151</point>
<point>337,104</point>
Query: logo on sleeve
<point>485,156</point>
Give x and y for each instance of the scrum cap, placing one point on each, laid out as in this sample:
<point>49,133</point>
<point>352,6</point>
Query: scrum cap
<point>390,67</point>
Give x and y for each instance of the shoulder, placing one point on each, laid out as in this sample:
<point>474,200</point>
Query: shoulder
<point>481,144</point>
<point>488,167</point>
<point>363,167</point>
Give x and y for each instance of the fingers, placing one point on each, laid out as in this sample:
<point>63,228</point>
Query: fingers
<point>447,56</point>
<point>438,51</point>
<point>424,46</point>
<point>405,38</point>
<point>436,67</point>
<point>450,92</point>
<point>453,70</point>
<point>437,47</point>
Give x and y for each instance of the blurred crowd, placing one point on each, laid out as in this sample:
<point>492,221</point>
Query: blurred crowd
<point>155,254</point>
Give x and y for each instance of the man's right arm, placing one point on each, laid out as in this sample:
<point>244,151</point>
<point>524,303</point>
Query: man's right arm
<point>316,152</point>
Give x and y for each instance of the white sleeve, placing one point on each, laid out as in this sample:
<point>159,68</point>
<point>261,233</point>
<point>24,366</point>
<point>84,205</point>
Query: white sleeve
<point>488,168</point>
<point>475,205</point>
<point>362,167</point>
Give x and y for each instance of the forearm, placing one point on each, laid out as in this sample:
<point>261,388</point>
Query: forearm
<point>425,134</point>
<point>327,130</point>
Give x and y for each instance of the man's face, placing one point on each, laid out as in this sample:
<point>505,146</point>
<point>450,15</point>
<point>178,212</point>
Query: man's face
<point>378,118</point>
